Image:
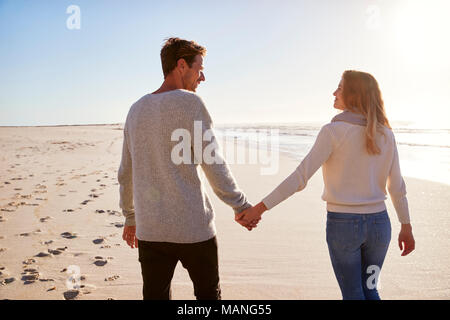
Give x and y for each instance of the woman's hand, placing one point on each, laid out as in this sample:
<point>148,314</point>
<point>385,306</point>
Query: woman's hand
<point>239,219</point>
<point>406,240</point>
<point>249,218</point>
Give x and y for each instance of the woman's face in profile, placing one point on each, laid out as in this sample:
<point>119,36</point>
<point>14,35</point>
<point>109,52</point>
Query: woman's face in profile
<point>339,101</point>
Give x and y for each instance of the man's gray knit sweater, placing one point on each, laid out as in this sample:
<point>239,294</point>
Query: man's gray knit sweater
<point>167,201</point>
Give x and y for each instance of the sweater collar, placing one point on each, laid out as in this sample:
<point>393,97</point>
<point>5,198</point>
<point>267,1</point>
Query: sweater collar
<point>351,117</point>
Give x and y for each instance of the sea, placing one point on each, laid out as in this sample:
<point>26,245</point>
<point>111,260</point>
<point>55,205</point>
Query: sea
<point>424,152</point>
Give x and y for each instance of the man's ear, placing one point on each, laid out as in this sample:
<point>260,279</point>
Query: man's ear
<point>181,64</point>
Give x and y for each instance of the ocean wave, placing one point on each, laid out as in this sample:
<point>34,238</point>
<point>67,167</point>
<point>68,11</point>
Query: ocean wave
<point>422,145</point>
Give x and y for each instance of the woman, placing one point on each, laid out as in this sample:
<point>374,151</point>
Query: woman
<point>359,158</point>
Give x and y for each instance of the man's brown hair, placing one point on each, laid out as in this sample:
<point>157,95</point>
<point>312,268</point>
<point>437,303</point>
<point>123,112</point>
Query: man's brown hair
<point>175,49</point>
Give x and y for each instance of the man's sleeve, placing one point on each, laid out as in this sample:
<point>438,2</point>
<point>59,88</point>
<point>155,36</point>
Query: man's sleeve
<point>125,178</point>
<point>214,165</point>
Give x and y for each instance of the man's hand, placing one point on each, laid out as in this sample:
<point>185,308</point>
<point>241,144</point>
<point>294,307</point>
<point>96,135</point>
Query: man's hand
<point>239,218</point>
<point>250,217</point>
<point>406,240</point>
<point>129,235</point>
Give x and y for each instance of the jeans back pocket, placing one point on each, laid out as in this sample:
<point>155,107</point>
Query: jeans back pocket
<point>342,233</point>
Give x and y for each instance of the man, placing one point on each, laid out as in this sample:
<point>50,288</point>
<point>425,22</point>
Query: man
<point>168,214</point>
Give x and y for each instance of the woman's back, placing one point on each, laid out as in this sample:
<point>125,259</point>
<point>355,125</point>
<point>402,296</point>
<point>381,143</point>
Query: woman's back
<point>353,177</point>
<point>355,181</point>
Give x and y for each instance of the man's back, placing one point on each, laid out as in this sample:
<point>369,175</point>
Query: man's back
<point>169,199</point>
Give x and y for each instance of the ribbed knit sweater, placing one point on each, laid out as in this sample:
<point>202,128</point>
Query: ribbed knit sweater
<point>166,200</point>
<point>354,180</point>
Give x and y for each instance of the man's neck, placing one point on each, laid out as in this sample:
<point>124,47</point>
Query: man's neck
<point>169,84</point>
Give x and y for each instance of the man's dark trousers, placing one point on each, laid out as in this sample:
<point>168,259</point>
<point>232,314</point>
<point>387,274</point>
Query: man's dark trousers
<point>159,259</point>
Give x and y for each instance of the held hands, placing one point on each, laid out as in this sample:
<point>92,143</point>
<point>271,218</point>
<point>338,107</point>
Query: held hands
<point>250,217</point>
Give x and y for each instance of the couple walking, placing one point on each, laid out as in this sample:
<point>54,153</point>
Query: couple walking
<point>169,217</point>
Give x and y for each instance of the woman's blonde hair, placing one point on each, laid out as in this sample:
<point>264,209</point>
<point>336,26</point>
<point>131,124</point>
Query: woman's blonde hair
<point>361,94</point>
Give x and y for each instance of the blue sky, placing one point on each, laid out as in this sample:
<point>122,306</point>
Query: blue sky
<point>267,61</point>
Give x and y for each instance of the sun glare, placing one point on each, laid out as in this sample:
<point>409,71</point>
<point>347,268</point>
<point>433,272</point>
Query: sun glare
<point>421,32</point>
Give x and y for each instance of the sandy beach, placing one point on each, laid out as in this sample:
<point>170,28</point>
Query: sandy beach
<point>60,222</point>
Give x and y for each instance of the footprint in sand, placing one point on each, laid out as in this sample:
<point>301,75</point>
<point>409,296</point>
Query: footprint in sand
<point>117,224</point>
<point>7,281</point>
<point>56,252</point>
<point>98,241</point>
<point>2,219</point>
<point>113,212</point>
<point>71,294</point>
<point>24,234</point>
<point>29,261</point>
<point>100,261</point>
<point>30,275</point>
<point>45,219</point>
<point>68,235</point>
<point>112,278</point>
<point>33,204</point>
<point>27,234</point>
<point>3,279</point>
<point>42,255</point>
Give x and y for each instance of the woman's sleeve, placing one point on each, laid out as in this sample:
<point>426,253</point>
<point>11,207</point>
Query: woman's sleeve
<point>297,180</point>
<point>397,189</point>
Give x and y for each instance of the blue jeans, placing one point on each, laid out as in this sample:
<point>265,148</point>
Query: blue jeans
<point>358,244</point>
